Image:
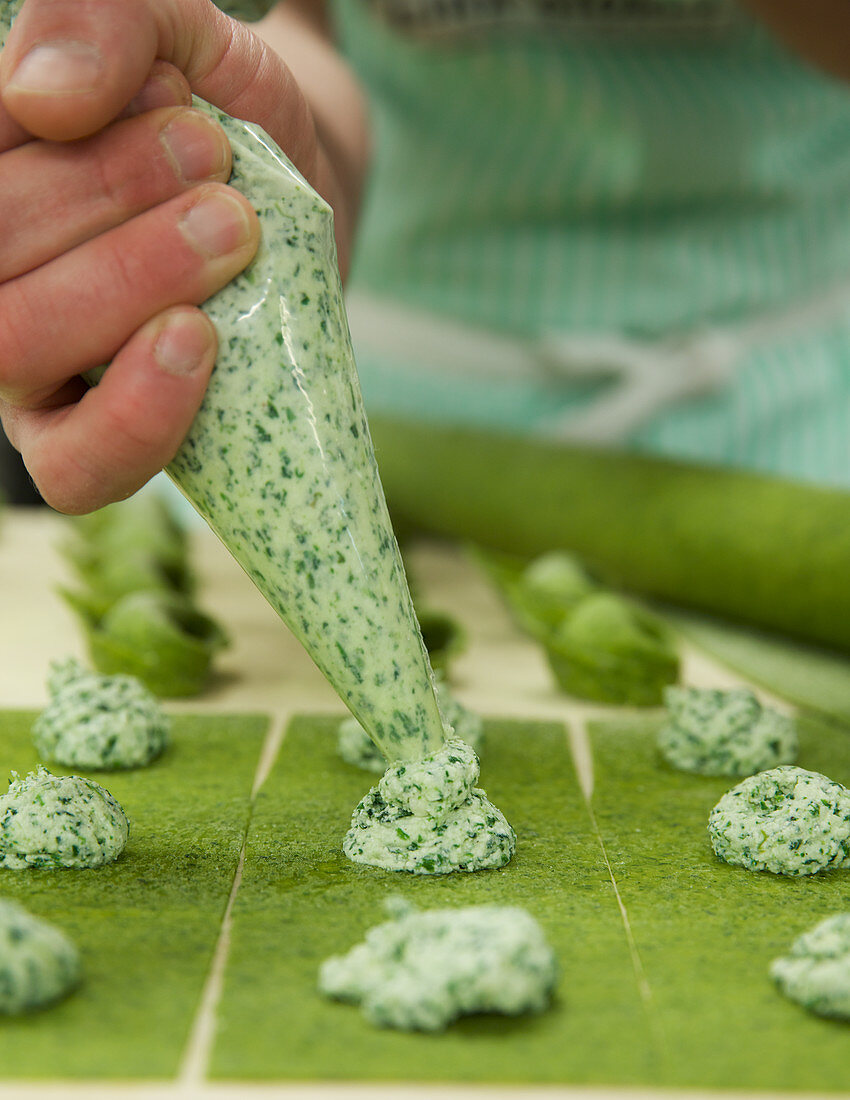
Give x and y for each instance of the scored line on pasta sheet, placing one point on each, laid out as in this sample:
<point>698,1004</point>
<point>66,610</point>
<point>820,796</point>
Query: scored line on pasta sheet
<point>582,751</point>
<point>196,1058</point>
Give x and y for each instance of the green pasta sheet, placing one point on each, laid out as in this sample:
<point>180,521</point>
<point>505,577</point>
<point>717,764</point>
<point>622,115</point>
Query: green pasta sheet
<point>706,932</point>
<point>146,925</point>
<point>301,901</point>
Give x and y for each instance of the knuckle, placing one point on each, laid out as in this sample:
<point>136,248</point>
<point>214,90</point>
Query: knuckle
<point>148,264</point>
<point>302,146</point>
<point>124,270</point>
<point>9,417</point>
<point>259,66</point>
<point>127,169</point>
<point>12,134</point>
<point>115,180</point>
<point>120,430</point>
<point>19,324</point>
<point>79,468</point>
<point>66,479</point>
<point>127,277</point>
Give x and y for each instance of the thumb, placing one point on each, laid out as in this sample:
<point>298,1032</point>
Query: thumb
<point>70,67</point>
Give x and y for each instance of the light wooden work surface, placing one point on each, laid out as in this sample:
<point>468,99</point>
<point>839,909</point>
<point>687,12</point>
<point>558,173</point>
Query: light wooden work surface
<point>265,670</point>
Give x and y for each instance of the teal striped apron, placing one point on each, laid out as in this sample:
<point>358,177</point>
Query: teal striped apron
<point>637,212</point>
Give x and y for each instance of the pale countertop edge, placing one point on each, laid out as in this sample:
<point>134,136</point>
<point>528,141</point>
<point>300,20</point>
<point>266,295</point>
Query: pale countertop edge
<point>236,1090</point>
<point>266,671</point>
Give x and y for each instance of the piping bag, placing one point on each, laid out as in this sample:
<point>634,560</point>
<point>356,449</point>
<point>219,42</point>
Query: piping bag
<point>279,460</point>
<point>280,463</point>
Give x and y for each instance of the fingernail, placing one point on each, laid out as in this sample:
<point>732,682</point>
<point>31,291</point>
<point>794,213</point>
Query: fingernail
<point>195,145</point>
<point>160,90</point>
<point>216,225</point>
<point>58,67</point>
<point>183,344</point>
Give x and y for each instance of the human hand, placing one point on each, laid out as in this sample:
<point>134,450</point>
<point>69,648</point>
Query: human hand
<point>117,223</point>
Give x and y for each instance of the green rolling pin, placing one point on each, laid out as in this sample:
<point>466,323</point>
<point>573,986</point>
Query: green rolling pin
<point>759,550</point>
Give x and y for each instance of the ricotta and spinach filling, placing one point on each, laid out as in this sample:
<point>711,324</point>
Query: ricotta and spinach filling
<point>724,732</point>
<point>785,820</point>
<point>38,963</point>
<point>356,746</point>
<point>280,462</point>
<point>99,722</point>
<point>51,820</point>
<point>421,970</point>
<point>428,817</point>
<point>816,971</point>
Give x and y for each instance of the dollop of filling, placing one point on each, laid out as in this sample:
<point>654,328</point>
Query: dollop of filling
<point>724,732</point>
<point>356,746</point>
<point>49,820</point>
<point>422,970</point>
<point>38,963</point>
<point>99,722</point>
<point>428,817</point>
<point>816,971</point>
<point>785,820</point>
